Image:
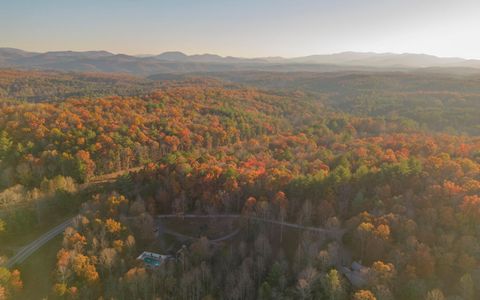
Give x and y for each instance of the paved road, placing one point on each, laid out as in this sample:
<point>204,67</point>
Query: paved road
<point>333,231</point>
<point>188,237</point>
<point>28,250</point>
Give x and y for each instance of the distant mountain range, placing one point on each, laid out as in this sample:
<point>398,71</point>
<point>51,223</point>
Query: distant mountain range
<point>178,62</point>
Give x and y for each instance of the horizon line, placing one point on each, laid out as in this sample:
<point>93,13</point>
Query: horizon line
<point>244,57</point>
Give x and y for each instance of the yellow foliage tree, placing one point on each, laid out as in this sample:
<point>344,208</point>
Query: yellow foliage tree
<point>113,226</point>
<point>364,295</point>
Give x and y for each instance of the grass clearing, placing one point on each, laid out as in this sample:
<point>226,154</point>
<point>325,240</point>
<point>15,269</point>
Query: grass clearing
<point>37,271</point>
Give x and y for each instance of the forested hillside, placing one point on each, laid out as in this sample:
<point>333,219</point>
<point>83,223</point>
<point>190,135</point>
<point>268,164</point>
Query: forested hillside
<point>433,100</point>
<point>38,86</point>
<point>380,162</point>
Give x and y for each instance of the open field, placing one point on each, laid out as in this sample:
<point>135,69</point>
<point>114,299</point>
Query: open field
<point>37,271</point>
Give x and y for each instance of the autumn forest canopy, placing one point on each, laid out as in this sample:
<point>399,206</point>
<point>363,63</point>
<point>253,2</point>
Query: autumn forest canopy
<point>343,185</point>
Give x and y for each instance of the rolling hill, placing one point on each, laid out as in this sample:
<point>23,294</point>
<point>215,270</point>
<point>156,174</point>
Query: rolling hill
<point>178,62</point>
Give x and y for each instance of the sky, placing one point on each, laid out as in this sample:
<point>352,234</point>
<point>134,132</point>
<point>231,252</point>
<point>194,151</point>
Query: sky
<point>246,28</point>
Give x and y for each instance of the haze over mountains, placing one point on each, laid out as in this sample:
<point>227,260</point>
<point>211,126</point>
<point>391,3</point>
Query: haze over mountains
<point>178,62</point>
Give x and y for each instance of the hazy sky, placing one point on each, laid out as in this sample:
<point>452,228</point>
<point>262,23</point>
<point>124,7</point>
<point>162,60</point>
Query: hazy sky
<point>244,27</point>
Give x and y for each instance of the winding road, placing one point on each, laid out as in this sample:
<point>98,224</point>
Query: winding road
<point>187,237</point>
<point>334,231</point>
<point>29,249</point>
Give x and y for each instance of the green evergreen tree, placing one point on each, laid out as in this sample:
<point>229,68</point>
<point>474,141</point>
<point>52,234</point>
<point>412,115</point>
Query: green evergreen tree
<point>5,145</point>
<point>265,292</point>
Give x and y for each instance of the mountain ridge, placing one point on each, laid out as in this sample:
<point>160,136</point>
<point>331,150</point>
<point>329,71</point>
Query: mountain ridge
<point>179,62</point>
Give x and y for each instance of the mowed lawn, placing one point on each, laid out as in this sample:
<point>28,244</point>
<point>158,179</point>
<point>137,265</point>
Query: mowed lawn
<point>38,271</point>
